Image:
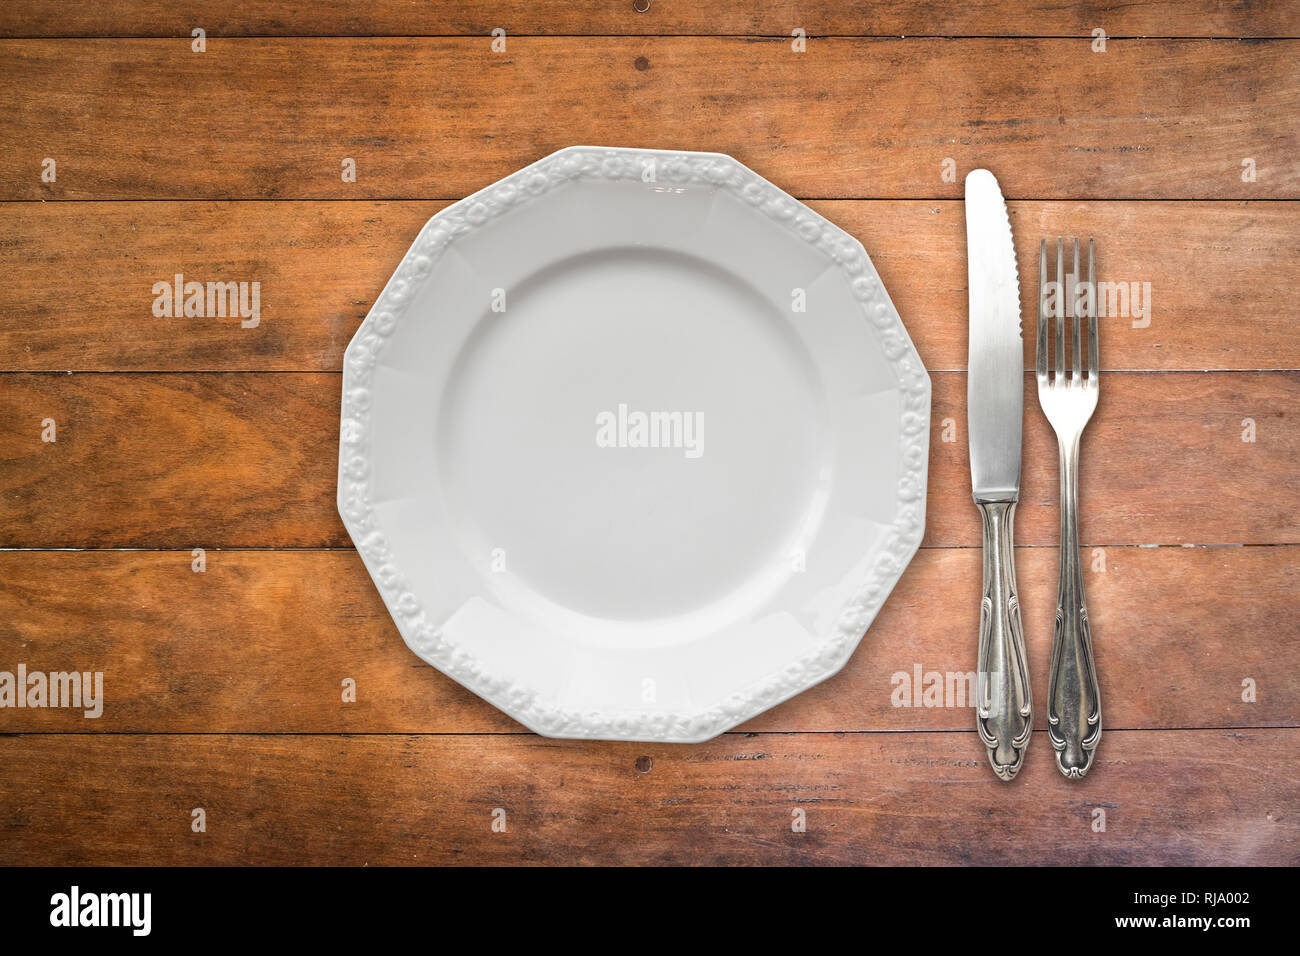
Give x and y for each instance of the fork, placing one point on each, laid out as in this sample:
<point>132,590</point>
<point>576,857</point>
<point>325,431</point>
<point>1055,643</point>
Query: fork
<point>1068,401</point>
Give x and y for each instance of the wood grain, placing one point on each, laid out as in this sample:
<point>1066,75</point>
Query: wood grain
<point>1163,461</point>
<point>262,642</point>
<point>1221,797</point>
<point>599,17</point>
<point>438,118</point>
<point>77,294</point>
<point>197,460</point>
<point>249,460</point>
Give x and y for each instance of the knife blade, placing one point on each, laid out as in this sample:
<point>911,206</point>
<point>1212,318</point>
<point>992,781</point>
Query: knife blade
<point>995,385</point>
<point>994,410</point>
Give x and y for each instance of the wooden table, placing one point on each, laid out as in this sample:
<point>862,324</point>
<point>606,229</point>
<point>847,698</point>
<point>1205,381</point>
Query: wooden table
<point>224,689</point>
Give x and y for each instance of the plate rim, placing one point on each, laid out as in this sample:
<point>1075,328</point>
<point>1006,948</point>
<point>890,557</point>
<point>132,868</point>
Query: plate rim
<point>900,542</point>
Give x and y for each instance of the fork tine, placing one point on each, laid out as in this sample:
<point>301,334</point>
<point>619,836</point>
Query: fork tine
<point>1060,311</point>
<point>1075,349</point>
<point>1040,358</point>
<point>1094,364</point>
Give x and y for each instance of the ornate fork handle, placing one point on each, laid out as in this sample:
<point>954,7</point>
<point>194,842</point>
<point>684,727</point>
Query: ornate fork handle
<point>1074,699</point>
<point>1005,708</point>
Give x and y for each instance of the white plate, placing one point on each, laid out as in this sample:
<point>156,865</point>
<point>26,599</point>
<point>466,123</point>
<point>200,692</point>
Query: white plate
<point>498,473</point>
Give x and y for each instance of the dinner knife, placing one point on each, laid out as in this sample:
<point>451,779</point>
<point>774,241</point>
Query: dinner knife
<point>994,404</point>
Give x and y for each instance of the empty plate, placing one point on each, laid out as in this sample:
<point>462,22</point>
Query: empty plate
<point>634,444</point>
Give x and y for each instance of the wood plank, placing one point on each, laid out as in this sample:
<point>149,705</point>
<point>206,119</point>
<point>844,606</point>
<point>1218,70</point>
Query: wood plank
<point>197,460</point>
<point>320,266</point>
<point>34,18</point>
<point>1163,461</point>
<point>437,118</point>
<point>79,276</point>
<point>249,460</point>
<point>1172,798</point>
<point>262,642</point>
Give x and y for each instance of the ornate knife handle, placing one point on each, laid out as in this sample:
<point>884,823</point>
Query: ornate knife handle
<point>1074,699</point>
<point>1005,709</point>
